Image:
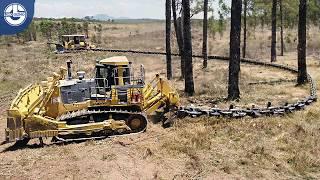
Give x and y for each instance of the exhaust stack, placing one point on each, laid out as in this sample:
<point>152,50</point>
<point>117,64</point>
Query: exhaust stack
<point>69,77</point>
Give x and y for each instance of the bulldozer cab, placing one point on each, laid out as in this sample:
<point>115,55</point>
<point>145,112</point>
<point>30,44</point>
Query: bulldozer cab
<point>73,41</point>
<point>115,71</point>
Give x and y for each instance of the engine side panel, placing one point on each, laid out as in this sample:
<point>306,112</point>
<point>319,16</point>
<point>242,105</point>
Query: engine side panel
<point>76,91</point>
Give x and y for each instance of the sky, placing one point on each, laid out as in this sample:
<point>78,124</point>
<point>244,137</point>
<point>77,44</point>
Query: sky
<point>115,8</point>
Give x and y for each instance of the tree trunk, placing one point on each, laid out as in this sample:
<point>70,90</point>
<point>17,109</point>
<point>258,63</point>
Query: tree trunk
<point>183,63</point>
<point>30,35</point>
<point>302,32</point>
<point>34,35</point>
<point>274,32</point>
<point>281,24</point>
<point>178,30</point>
<point>234,63</point>
<point>168,39</point>
<point>187,46</point>
<point>244,48</point>
<point>205,35</point>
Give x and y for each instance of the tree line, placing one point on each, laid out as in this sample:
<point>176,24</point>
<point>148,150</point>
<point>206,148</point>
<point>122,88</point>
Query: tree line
<point>242,15</point>
<point>52,29</point>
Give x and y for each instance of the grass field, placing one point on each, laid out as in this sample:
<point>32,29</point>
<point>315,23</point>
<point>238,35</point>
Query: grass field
<point>283,147</point>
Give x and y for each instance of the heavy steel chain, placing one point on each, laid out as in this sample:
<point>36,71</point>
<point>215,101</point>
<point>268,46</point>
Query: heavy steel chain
<point>232,112</point>
<point>255,112</point>
<point>139,52</point>
<point>272,82</point>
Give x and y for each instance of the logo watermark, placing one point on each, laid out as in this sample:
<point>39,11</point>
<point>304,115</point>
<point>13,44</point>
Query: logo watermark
<point>15,14</point>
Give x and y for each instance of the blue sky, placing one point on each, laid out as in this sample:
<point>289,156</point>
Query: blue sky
<point>115,8</point>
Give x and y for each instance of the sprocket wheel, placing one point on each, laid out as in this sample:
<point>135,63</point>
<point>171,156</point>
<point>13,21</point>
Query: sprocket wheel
<point>137,123</point>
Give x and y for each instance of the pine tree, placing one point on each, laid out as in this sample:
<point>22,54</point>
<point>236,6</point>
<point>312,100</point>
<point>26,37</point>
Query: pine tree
<point>244,48</point>
<point>302,65</point>
<point>274,32</point>
<point>234,63</point>
<point>205,34</point>
<point>187,46</point>
<point>179,34</point>
<point>281,27</point>
<point>168,39</point>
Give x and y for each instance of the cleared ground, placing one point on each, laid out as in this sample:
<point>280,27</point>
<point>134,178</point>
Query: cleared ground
<point>286,147</point>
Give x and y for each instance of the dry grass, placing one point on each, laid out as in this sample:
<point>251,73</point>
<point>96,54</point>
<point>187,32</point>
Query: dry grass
<point>283,148</point>
<point>265,148</point>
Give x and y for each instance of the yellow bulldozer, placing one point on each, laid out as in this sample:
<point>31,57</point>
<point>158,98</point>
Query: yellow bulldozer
<point>115,102</point>
<point>73,43</point>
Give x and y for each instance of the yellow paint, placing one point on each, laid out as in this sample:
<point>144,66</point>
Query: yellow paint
<point>120,75</point>
<point>35,110</point>
<point>117,61</point>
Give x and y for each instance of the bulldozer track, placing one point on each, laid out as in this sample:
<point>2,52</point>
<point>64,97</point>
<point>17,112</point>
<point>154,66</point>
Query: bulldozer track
<point>232,112</point>
<point>86,112</point>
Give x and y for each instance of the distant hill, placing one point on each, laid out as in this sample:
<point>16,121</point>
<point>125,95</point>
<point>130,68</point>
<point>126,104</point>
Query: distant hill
<point>103,17</point>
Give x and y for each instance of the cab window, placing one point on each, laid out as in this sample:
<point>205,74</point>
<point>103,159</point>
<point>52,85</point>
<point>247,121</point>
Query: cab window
<point>82,39</point>
<point>76,40</point>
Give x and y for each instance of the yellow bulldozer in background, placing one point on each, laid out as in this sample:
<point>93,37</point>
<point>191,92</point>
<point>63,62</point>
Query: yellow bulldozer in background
<point>72,43</point>
<point>114,102</point>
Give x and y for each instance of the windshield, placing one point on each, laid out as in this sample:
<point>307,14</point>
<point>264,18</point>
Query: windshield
<point>105,73</point>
